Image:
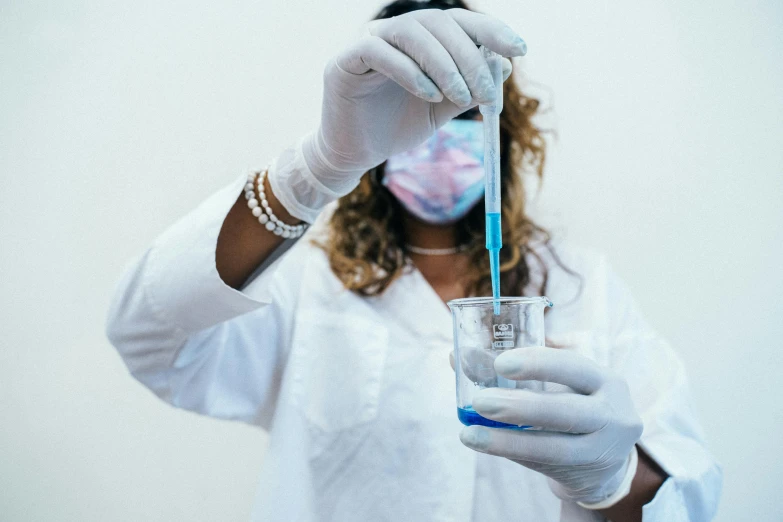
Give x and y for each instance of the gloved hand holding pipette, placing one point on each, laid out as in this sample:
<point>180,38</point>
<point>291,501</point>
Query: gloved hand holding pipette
<point>380,100</point>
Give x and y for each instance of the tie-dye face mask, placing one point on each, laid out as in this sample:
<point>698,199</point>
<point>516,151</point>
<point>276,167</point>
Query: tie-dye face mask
<point>443,178</point>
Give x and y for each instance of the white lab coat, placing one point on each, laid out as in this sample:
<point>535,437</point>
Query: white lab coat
<point>357,393</point>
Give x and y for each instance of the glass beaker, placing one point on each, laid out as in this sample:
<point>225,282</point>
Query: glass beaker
<point>480,336</point>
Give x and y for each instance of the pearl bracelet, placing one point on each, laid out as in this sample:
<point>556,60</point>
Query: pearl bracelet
<point>264,212</point>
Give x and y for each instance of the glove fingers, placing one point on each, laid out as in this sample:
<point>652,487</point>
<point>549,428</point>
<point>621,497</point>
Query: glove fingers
<point>564,412</point>
<point>446,111</point>
<point>412,38</point>
<point>507,68</point>
<point>375,54</point>
<point>538,447</point>
<point>478,366</point>
<point>552,365</point>
<point>463,51</point>
<point>489,31</point>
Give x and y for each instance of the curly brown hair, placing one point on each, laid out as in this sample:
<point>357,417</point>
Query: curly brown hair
<point>366,240</point>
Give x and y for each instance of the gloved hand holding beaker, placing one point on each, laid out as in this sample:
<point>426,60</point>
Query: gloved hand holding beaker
<point>586,438</point>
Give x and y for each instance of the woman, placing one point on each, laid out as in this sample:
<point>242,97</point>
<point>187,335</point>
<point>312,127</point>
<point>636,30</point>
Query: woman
<point>337,344</point>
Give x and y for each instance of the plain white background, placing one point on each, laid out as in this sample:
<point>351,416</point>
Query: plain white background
<point>117,118</point>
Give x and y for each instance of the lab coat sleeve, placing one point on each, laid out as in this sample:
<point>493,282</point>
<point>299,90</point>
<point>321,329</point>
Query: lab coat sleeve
<point>196,342</point>
<point>672,436</point>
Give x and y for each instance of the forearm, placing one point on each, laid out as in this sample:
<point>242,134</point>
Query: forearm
<point>243,243</point>
<point>649,477</point>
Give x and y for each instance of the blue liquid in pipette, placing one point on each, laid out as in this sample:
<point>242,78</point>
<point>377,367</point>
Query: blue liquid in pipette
<point>469,417</point>
<point>494,266</point>
<point>494,244</point>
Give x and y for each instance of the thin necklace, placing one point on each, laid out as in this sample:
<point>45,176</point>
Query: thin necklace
<point>436,251</point>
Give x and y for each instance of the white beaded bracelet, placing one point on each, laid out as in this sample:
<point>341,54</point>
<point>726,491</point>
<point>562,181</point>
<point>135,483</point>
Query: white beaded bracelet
<point>264,212</point>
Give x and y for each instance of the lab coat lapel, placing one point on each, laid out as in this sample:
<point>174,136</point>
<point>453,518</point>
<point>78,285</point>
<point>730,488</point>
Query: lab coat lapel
<point>413,314</point>
<point>412,304</point>
<point>415,305</point>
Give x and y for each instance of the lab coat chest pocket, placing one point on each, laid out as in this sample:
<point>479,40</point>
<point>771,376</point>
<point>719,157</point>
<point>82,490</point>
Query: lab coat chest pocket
<point>340,361</point>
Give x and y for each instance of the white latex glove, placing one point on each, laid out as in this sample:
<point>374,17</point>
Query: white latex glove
<point>389,92</point>
<point>589,435</point>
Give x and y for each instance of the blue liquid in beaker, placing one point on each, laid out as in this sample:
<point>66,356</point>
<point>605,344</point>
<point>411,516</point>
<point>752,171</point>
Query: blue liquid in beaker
<point>469,417</point>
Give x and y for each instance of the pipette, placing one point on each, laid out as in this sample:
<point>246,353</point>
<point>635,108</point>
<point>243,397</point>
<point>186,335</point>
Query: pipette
<point>491,116</point>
